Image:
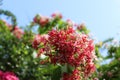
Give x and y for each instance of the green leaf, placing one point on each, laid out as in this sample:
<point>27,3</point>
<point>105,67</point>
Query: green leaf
<point>56,73</point>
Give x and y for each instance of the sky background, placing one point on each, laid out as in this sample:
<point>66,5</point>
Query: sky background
<point>102,17</point>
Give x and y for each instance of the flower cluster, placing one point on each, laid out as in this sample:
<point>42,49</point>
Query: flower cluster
<point>44,20</point>
<point>8,76</point>
<point>68,47</point>
<point>41,20</point>
<point>36,41</point>
<point>18,32</point>
<point>39,39</point>
<point>73,49</point>
<point>39,43</point>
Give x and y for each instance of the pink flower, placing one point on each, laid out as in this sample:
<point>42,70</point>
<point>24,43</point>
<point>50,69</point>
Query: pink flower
<point>1,73</point>
<point>36,19</point>
<point>57,14</point>
<point>90,68</point>
<point>18,32</point>
<point>9,76</point>
<point>36,41</point>
<point>39,39</point>
<point>43,20</point>
<point>40,51</point>
<point>95,79</point>
<point>81,26</point>
<point>69,22</point>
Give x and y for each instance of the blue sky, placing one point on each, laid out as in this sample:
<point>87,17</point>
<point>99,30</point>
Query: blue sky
<point>102,17</point>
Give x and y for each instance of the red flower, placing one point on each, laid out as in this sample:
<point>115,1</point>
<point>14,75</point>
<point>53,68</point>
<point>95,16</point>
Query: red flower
<point>56,14</point>
<point>43,20</point>
<point>36,19</point>
<point>39,39</point>
<point>1,74</point>
<point>81,26</point>
<point>40,51</point>
<point>90,68</point>
<point>36,41</point>
<point>8,76</point>
<point>95,79</point>
<point>18,32</point>
<point>69,22</point>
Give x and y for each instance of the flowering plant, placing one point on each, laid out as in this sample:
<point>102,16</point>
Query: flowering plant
<point>70,50</point>
<point>59,50</point>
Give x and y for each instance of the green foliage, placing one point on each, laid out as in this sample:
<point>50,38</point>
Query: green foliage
<point>56,75</point>
<point>17,55</point>
<point>9,15</point>
<point>111,70</point>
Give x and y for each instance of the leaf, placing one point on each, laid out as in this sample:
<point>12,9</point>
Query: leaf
<point>108,40</point>
<point>56,74</point>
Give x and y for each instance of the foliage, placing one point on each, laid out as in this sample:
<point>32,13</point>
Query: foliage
<point>111,69</point>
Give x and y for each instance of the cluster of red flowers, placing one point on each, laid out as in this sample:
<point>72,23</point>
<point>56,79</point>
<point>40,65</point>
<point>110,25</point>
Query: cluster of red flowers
<point>43,20</point>
<point>69,47</point>
<point>73,49</point>
<point>39,41</point>
<point>8,76</point>
<point>66,47</point>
